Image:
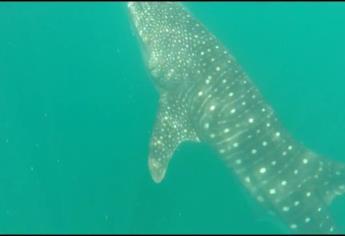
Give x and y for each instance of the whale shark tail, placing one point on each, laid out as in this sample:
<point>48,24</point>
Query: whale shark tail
<point>307,210</point>
<point>333,181</point>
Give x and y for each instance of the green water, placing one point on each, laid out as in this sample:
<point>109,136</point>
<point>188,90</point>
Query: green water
<point>77,109</point>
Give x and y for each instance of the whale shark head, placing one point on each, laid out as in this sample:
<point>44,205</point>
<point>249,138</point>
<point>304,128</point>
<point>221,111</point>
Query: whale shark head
<point>172,42</point>
<point>160,33</point>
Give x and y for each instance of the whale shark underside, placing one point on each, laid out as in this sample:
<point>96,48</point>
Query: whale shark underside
<point>205,96</point>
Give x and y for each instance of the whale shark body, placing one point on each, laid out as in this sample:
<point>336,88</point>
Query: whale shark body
<point>205,96</point>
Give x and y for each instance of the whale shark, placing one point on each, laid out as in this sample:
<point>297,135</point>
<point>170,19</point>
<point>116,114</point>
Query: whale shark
<point>205,96</point>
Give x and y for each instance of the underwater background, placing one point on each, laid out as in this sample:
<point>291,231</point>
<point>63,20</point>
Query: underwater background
<point>77,108</point>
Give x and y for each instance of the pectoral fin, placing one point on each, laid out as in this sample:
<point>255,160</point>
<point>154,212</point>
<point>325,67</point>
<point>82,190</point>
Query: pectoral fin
<point>170,130</point>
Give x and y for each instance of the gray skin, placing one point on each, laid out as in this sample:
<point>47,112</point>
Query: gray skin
<point>205,96</point>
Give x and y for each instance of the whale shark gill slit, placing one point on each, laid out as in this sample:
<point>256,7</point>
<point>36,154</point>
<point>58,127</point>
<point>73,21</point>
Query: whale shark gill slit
<point>205,96</point>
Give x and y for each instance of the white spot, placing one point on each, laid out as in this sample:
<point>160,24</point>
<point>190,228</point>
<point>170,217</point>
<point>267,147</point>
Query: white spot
<point>273,163</point>
<point>247,179</point>
<point>235,144</point>
<point>231,94</point>
<point>277,134</point>
<point>263,170</point>
<point>233,111</point>
<point>218,68</point>
<point>308,194</point>
<point>263,109</point>
<point>212,107</point>
<point>290,147</point>
<point>285,208</point>
<point>264,143</point>
<point>283,183</point>
<point>293,226</point>
<point>200,93</point>
<point>212,135</point>
<point>295,172</point>
<point>268,124</point>
<point>206,125</point>
<point>305,161</point>
<point>307,220</point>
<point>272,191</point>
<point>296,203</point>
<point>250,120</point>
<point>260,198</point>
<point>238,161</point>
<point>226,130</point>
<point>243,103</point>
<point>284,153</point>
<point>254,151</point>
<point>331,229</point>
